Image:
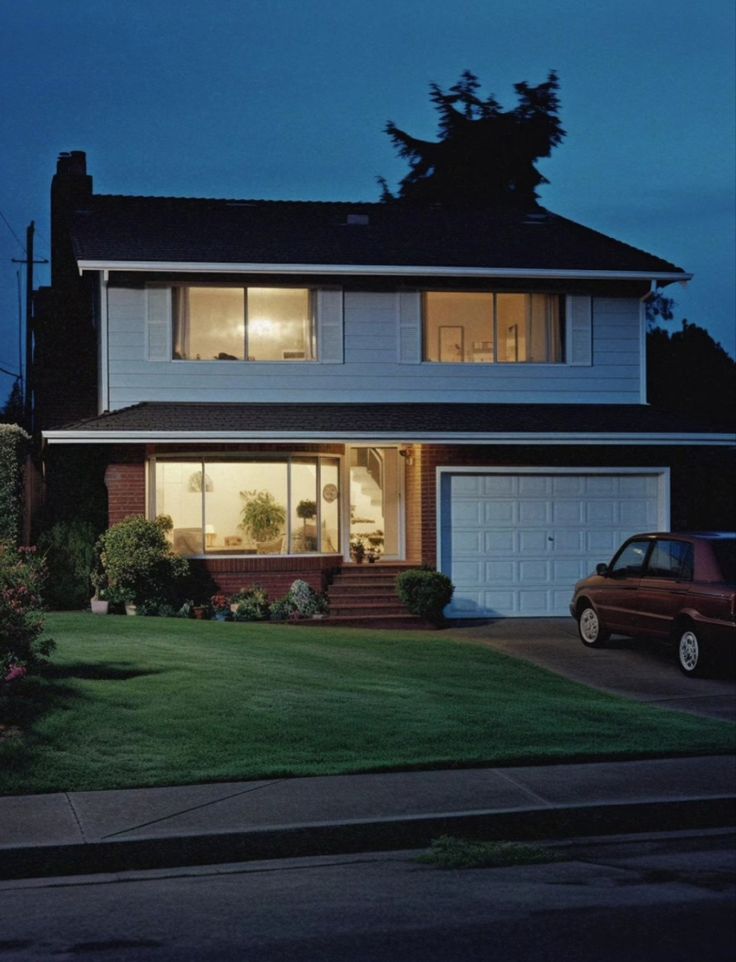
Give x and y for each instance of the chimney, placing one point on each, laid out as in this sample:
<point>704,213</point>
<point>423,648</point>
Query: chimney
<point>71,189</point>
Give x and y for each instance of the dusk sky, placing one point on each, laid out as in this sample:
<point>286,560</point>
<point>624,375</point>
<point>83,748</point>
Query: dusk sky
<point>288,99</point>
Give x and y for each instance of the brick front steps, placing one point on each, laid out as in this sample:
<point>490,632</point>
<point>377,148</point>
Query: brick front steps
<point>364,596</point>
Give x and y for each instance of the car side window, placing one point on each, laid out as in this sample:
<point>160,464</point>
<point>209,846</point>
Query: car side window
<point>629,562</point>
<point>671,559</point>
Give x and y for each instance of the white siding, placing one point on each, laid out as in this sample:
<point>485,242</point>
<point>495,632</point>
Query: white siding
<point>377,365</point>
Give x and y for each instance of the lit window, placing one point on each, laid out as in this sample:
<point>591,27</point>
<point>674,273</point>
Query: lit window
<point>236,324</point>
<point>482,328</point>
<point>281,506</point>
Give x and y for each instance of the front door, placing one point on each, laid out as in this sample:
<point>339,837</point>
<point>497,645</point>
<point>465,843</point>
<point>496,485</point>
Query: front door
<point>375,501</point>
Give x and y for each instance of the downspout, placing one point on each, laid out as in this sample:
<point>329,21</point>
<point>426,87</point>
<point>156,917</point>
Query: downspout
<point>643,386</point>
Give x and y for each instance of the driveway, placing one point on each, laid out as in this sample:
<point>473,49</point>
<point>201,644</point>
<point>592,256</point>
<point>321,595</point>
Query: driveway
<point>643,670</point>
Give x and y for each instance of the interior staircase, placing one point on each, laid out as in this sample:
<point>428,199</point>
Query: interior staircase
<point>364,596</point>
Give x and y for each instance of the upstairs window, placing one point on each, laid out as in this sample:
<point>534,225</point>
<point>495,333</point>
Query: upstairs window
<point>242,324</point>
<point>464,327</point>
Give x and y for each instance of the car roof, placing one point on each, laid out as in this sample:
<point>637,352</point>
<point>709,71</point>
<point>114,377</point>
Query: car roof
<point>689,535</point>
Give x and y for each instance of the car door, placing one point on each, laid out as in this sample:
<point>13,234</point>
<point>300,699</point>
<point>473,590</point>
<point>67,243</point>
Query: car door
<point>615,596</point>
<point>663,588</point>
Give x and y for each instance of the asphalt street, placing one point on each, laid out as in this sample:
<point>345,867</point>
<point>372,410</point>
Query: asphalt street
<point>657,898</point>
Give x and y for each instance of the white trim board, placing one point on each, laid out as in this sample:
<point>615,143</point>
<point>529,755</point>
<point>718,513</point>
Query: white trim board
<point>502,438</point>
<point>392,270</point>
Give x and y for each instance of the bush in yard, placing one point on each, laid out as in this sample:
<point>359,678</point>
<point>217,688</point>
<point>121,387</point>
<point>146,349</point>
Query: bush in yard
<point>22,577</point>
<point>140,564</point>
<point>252,605</point>
<point>69,550</point>
<point>14,444</point>
<point>425,593</point>
<point>302,601</point>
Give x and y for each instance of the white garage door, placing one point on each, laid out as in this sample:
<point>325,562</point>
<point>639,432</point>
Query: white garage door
<point>515,544</point>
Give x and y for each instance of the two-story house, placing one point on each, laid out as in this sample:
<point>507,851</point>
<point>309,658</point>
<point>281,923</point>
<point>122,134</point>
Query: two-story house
<point>462,388</point>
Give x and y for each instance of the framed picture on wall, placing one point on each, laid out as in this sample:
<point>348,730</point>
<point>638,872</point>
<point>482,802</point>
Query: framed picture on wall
<point>452,343</point>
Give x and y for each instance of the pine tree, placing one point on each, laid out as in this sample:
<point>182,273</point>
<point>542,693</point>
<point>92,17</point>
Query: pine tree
<point>484,155</point>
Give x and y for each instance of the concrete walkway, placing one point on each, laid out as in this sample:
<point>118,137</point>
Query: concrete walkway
<point>85,832</point>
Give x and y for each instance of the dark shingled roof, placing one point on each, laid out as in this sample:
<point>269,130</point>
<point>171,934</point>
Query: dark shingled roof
<point>113,228</point>
<point>397,420</point>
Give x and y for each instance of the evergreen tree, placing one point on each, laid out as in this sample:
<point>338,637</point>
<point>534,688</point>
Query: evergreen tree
<point>14,410</point>
<point>690,373</point>
<point>484,155</point>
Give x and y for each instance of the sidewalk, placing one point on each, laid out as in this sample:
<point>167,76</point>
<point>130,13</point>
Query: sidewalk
<point>86,832</point>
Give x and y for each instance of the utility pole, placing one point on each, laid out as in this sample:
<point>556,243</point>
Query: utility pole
<point>29,262</point>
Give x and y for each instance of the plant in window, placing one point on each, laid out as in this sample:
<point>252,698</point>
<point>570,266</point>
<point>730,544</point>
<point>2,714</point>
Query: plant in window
<point>262,517</point>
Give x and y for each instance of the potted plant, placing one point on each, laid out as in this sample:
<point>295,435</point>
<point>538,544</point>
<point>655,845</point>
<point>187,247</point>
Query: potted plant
<point>220,607</point>
<point>307,510</point>
<point>357,550</point>
<point>262,517</point>
<point>99,602</point>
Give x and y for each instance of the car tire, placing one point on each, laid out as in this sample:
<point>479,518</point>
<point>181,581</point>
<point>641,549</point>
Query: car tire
<point>591,629</point>
<point>690,654</point>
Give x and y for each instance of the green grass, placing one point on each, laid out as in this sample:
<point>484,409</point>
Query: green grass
<point>449,852</point>
<point>148,701</point>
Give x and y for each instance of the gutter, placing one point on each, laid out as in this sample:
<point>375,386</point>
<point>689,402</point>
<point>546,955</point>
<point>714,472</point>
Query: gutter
<point>382,270</point>
<point>481,438</point>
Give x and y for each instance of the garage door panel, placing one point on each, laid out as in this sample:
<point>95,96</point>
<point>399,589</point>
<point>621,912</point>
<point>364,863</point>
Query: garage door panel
<point>568,512</point>
<point>519,542</point>
<point>533,542</point>
<point>534,572</point>
<point>503,543</point>
<point>534,512</point>
<point>532,486</point>
<point>499,512</point>
<point>500,573</point>
<point>466,543</point>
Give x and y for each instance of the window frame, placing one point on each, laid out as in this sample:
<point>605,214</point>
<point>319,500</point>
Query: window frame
<point>494,339</point>
<point>311,340</point>
<point>200,460</point>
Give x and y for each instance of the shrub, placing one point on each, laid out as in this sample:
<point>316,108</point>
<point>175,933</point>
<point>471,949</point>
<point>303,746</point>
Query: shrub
<point>281,609</point>
<point>22,576</point>
<point>14,444</point>
<point>69,550</point>
<point>302,601</point>
<point>425,593</point>
<point>252,605</point>
<point>139,563</point>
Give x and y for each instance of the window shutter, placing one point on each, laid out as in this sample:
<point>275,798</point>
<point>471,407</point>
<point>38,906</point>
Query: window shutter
<point>410,327</point>
<point>580,330</point>
<point>329,326</point>
<point>158,323</point>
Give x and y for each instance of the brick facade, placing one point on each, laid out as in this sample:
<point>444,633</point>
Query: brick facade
<point>126,491</point>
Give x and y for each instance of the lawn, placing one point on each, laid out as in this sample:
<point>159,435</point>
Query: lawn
<point>148,701</point>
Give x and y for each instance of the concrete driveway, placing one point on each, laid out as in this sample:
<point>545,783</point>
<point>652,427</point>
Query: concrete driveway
<point>643,670</point>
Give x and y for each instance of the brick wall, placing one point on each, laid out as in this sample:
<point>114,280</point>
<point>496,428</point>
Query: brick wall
<point>126,491</point>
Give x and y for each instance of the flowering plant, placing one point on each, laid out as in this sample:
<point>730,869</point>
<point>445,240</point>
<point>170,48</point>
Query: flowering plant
<point>22,576</point>
<point>220,602</point>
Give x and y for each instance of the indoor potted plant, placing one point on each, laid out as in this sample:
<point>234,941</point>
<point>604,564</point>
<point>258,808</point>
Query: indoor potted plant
<point>262,517</point>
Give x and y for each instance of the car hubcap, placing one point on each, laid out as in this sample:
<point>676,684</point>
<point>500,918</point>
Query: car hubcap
<point>589,625</point>
<point>689,651</point>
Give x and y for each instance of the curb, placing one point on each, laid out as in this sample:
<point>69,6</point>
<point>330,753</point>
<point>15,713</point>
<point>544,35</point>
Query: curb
<point>363,835</point>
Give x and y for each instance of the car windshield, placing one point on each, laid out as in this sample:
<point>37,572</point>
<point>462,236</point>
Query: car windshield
<point>725,552</point>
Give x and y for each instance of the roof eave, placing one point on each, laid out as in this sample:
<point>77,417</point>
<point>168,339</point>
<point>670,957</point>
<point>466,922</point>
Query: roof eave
<point>376,270</point>
<point>396,437</point>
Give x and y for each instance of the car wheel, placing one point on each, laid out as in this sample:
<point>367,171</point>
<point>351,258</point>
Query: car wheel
<point>690,653</point>
<point>590,628</point>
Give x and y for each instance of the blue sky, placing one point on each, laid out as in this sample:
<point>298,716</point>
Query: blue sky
<point>288,99</point>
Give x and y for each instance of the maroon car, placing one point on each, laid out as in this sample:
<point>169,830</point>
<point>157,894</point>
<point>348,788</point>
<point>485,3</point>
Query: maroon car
<point>680,587</point>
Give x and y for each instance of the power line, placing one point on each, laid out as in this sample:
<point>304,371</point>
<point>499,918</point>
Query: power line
<point>10,228</point>
<point>4,370</point>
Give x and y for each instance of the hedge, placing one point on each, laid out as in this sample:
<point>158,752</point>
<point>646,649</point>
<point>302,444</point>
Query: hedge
<point>14,445</point>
